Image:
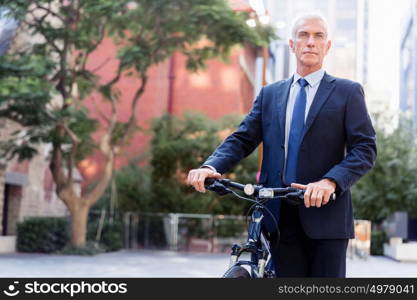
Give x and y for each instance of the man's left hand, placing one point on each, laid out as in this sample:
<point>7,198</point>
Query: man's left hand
<point>317,193</point>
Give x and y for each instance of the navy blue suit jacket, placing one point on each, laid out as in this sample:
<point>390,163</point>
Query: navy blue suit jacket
<point>338,143</point>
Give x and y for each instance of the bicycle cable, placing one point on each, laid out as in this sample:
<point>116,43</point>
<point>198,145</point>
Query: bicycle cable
<point>260,204</point>
<point>241,197</point>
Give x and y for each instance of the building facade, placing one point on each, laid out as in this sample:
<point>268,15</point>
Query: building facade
<point>220,89</point>
<point>408,63</point>
<point>347,29</point>
<point>26,188</point>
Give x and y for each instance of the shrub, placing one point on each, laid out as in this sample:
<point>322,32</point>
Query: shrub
<point>42,234</point>
<point>111,238</point>
<point>390,186</point>
<point>133,188</point>
<point>377,242</point>
<point>51,235</point>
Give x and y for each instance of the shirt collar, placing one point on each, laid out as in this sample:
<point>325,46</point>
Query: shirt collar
<point>313,78</point>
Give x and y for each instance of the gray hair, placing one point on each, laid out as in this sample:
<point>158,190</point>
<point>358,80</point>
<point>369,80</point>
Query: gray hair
<point>308,16</point>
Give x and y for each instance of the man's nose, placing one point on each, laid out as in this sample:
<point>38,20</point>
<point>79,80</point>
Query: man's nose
<point>311,41</point>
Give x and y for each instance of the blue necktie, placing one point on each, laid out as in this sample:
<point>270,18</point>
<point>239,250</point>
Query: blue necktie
<point>296,131</point>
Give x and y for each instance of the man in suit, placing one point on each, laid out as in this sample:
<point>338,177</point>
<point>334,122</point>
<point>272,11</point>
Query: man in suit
<point>317,136</point>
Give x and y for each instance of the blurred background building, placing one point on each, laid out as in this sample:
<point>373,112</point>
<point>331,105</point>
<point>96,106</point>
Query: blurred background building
<point>347,26</point>
<point>369,38</point>
<point>26,188</point>
<point>408,61</point>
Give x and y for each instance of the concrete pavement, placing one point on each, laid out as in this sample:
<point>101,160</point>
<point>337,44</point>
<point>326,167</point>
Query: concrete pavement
<point>148,263</point>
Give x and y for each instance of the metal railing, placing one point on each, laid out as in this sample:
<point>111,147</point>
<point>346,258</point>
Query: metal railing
<point>208,233</point>
<point>183,232</point>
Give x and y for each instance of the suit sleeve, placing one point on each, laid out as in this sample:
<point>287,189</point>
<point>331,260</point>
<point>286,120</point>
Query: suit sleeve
<point>360,143</point>
<point>240,143</point>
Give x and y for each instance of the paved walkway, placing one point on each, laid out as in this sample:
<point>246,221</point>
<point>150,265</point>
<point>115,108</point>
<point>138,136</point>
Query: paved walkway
<point>146,263</point>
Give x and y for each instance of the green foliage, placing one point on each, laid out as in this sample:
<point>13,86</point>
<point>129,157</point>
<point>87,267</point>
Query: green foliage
<point>51,235</point>
<point>133,192</point>
<point>25,97</point>
<point>390,186</point>
<point>146,31</point>
<point>42,234</point>
<point>179,145</point>
<point>111,236</point>
<point>377,242</point>
<point>133,188</point>
<point>166,26</point>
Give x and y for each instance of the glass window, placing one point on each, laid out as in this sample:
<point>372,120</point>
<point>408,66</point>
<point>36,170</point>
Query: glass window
<point>346,4</point>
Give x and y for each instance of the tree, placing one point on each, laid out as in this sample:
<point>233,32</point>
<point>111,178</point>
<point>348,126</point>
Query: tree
<point>42,87</point>
<point>390,186</point>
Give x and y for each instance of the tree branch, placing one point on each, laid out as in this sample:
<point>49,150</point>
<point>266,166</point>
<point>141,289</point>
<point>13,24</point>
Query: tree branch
<point>131,124</point>
<point>106,148</point>
<point>100,112</point>
<point>71,158</point>
<point>40,28</point>
<point>63,182</point>
<point>55,166</point>
<point>63,78</point>
<point>115,78</point>
<point>49,11</point>
<point>101,65</point>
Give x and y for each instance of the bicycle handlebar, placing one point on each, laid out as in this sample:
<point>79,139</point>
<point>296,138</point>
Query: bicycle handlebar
<point>220,186</point>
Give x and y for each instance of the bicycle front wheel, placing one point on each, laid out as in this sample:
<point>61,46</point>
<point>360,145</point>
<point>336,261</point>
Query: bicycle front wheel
<point>237,272</point>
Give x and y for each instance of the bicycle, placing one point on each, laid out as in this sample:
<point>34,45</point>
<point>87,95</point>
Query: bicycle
<point>257,244</point>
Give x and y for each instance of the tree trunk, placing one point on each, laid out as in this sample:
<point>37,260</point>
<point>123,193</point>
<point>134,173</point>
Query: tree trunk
<point>79,218</point>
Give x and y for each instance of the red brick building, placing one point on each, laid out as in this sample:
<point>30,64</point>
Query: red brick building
<point>27,189</point>
<point>221,89</point>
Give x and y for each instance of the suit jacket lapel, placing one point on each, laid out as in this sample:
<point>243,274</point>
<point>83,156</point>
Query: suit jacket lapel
<point>282,99</point>
<point>325,88</point>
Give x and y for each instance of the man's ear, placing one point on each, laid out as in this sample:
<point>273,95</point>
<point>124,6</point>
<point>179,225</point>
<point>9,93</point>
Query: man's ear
<point>328,46</point>
<point>291,44</point>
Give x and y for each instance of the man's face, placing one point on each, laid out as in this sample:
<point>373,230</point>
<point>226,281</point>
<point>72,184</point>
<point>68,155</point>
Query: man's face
<point>310,44</point>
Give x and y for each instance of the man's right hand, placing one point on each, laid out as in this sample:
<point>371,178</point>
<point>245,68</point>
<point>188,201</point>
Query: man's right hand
<point>196,177</point>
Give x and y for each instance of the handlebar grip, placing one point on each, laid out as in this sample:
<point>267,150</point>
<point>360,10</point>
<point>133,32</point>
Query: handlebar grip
<point>332,196</point>
<point>209,181</point>
<point>216,186</point>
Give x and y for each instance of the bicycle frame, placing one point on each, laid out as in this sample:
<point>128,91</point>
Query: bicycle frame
<point>258,247</point>
<point>257,244</point>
